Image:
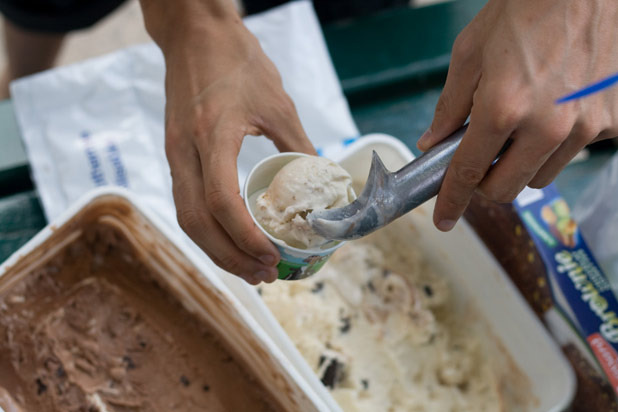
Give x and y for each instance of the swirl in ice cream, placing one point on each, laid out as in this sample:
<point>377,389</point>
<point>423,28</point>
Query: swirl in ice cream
<point>306,184</point>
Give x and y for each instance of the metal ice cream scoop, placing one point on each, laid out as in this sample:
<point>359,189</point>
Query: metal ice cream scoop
<point>387,195</point>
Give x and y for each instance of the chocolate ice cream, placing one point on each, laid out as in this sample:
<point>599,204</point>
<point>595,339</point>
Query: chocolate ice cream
<point>95,330</point>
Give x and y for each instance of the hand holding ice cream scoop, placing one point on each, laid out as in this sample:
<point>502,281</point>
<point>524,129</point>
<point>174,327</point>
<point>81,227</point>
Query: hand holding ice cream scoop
<point>281,191</point>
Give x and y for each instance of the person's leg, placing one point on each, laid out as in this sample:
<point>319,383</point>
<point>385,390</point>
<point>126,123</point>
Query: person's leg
<point>27,52</point>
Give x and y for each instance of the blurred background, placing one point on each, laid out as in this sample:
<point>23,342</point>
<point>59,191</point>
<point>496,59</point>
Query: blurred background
<point>125,26</point>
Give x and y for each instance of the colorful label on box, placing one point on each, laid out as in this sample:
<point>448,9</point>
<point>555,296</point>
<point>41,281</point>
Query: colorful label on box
<point>579,286</point>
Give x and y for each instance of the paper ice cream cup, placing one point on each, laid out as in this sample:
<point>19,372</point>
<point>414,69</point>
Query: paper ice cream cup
<point>295,263</point>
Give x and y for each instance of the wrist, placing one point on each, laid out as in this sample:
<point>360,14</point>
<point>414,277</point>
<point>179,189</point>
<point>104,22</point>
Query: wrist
<point>172,26</point>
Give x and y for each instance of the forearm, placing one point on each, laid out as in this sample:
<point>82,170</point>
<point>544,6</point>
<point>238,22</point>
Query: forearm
<point>168,22</point>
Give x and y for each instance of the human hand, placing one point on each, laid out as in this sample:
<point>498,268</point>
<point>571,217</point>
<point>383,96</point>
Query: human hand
<point>220,86</point>
<point>508,67</point>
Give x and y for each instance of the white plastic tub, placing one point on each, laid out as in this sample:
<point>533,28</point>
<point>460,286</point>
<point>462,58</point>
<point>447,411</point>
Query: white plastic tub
<point>473,271</point>
<point>476,278</point>
<point>190,278</point>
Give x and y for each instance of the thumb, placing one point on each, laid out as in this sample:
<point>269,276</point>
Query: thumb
<point>455,102</point>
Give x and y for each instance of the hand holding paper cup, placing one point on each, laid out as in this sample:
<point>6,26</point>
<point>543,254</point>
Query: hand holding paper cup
<point>279,193</point>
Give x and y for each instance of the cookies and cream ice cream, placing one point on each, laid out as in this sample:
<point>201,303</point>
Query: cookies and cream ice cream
<point>94,329</point>
<point>304,185</point>
<point>382,331</point>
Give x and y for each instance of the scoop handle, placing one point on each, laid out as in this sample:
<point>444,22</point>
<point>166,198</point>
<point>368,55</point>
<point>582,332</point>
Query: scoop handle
<point>420,180</point>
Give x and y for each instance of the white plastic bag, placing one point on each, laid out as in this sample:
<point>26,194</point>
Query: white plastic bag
<point>597,214</point>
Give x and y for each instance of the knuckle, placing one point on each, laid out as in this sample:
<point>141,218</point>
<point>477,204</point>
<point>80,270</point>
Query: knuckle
<point>450,202</point>
<point>230,263</point>
<point>610,125</point>
<point>503,191</point>
<point>467,174</point>
<point>173,137</point>
<point>208,109</point>
<point>285,106</point>
<point>486,191</point>
<point>500,196</point>
<point>589,130</point>
<point>608,131</point>
<point>189,219</point>
<point>508,197</point>
<point>201,128</point>
<point>204,119</point>
<point>505,117</point>
<point>217,201</point>
<point>555,133</point>
<point>244,240</point>
<point>444,105</point>
<point>463,47</point>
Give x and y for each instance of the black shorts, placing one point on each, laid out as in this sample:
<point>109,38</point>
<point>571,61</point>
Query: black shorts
<point>63,16</point>
<point>56,16</point>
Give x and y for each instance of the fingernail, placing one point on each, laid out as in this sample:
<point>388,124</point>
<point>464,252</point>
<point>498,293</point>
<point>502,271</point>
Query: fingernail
<point>424,140</point>
<point>446,225</point>
<point>269,260</point>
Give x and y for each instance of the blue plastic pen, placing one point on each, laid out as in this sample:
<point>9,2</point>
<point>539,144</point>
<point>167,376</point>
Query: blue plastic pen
<point>591,89</point>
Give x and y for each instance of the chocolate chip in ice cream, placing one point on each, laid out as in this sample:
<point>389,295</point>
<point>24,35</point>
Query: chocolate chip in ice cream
<point>428,290</point>
<point>346,324</point>
<point>321,360</point>
<point>185,381</point>
<point>317,287</point>
<point>128,361</point>
<point>40,387</point>
<point>331,369</point>
<point>333,373</point>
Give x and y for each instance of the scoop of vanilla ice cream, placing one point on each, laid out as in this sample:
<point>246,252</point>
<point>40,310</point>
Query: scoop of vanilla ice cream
<point>300,187</point>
